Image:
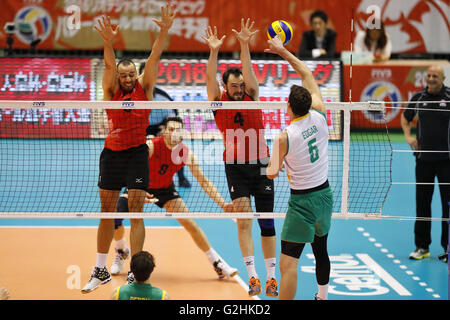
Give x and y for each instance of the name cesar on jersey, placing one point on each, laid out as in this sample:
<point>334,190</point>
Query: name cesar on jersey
<point>309,132</point>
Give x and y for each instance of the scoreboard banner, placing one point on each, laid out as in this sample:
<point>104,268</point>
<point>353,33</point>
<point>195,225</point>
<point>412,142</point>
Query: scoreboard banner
<point>45,79</point>
<point>40,79</point>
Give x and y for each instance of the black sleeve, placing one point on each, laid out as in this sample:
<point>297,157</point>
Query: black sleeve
<point>122,204</point>
<point>410,111</point>
<point>304,51</point>
<point>331,45</point>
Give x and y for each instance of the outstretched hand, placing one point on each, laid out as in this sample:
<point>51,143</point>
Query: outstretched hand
<point>168,14</point>
<point>211,38</point>
<point>275,45</point>
<point>246,32</point>
<point>107,31</point>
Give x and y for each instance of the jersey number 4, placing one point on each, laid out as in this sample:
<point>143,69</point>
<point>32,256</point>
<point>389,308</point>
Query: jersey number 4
<point>239,119</point>
<point>313,150</point>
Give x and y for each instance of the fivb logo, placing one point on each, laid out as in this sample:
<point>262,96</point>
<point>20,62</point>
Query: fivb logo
<point>38,104</point>
<point>127,104</point>
<point>216,105</point>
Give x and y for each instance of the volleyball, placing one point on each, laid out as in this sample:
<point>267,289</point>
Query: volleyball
<point>282,28</point>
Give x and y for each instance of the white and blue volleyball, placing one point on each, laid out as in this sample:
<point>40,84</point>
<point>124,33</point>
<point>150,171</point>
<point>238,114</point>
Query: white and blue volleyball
<point>282,28</point>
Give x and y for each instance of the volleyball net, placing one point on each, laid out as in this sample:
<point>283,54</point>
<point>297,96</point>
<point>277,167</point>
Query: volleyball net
<point>53,125</point>
<point>49,155</point>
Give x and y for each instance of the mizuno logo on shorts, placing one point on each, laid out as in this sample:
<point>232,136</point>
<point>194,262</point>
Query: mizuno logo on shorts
<point>139,180</point>
<point>268,188</point>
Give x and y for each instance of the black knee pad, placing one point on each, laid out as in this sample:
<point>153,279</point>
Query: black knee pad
<point>292,249</point>
<point>267,227</point>
<point>118,223</point>
<point>122,206</point>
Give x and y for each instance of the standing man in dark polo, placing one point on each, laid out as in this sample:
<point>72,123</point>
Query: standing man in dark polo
<point>433,134</point>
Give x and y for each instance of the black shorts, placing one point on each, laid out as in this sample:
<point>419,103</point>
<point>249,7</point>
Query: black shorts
<point>164,195</point>
<point>245,180</point>
<point>126,168</point>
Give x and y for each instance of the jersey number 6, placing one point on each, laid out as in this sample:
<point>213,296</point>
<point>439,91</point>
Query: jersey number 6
<point>313,150</point>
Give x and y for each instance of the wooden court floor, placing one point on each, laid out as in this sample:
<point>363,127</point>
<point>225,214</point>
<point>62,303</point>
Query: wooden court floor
<point>55,263</point>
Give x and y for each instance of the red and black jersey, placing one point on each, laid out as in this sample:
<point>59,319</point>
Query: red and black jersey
<point>127,127</point>
<point>243,132</point>
<point>164,163</point>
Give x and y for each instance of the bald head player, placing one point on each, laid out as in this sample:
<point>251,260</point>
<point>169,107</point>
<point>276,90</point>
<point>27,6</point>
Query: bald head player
<point>246,153</point>
<point>124,159</point>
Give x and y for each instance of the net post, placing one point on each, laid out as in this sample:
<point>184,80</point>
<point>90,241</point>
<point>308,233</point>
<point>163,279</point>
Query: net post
<point>345,163</point>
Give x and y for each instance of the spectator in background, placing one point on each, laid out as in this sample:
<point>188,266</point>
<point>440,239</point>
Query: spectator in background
<point>157,118</point>
<point>320,42</point>
<point>375,41</point>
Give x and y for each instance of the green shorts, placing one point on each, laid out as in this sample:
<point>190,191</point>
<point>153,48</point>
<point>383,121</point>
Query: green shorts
<point>308,215</point>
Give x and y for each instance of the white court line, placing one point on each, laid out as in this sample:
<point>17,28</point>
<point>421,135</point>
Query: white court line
<point>398,262</point>
<point>394,284</point>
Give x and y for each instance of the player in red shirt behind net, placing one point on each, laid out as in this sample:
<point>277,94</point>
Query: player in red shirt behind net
<point>246,153</point>
<point>167,155</point>
<point>124,159</point>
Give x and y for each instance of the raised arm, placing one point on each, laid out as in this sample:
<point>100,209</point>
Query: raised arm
<point>308,81</point>
<point>150,73</point>
<point>214,43</point>
<point>244,36</point>
<point>206,184</point>
<point>108,34</point>
<point>280,149</point>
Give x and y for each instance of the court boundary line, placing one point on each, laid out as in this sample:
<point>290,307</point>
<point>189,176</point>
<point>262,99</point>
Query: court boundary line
<point>398,262</point>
